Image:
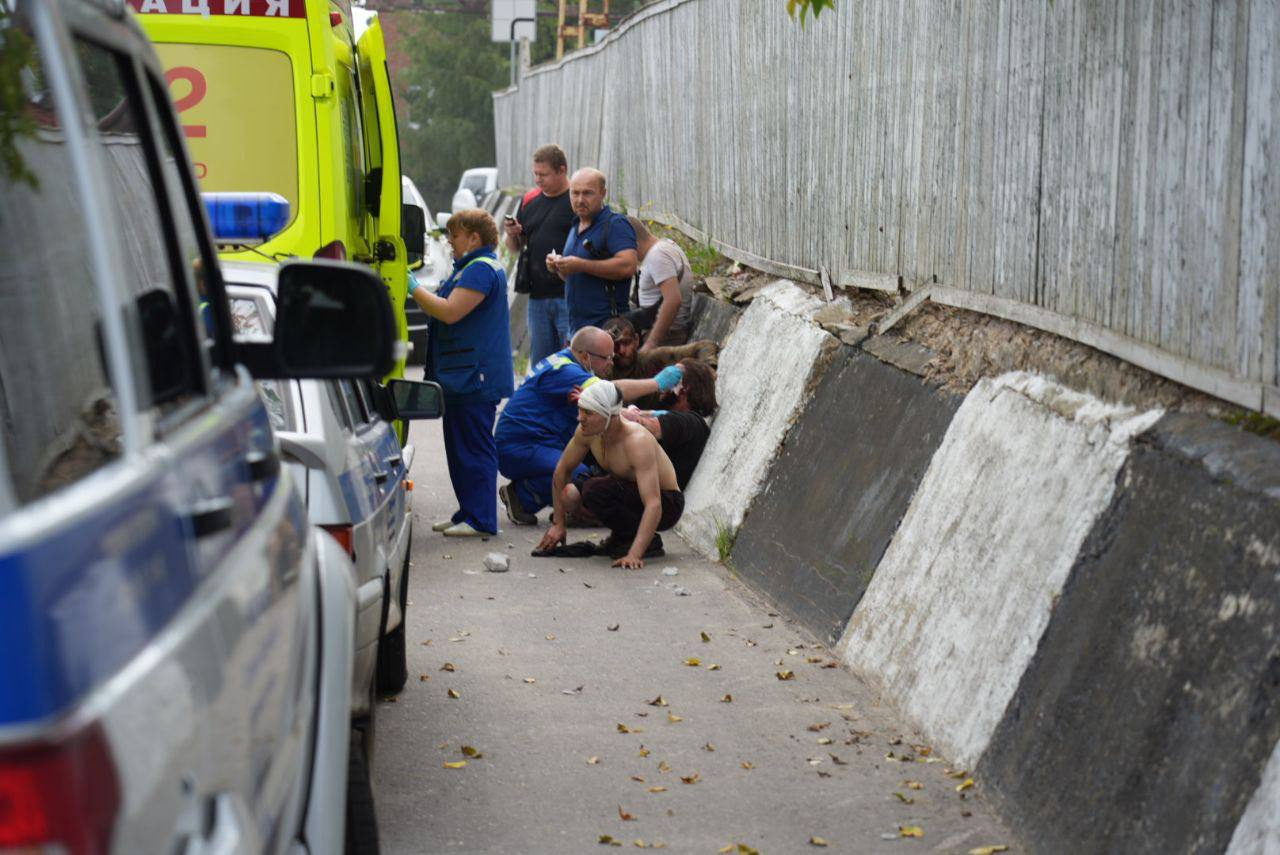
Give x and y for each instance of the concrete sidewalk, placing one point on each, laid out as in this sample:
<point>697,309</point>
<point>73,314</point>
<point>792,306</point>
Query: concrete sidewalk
<point>556,666</point>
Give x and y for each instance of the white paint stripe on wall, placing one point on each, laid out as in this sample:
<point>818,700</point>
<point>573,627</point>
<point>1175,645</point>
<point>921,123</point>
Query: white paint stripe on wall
<point>763,373</point>
<point>957,606</point>
<point>1258,832</point>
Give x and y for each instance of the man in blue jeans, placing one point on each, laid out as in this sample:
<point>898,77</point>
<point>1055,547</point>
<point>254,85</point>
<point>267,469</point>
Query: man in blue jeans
<point>540,418</point>
<point>540,228</point>
<point>599,255</point>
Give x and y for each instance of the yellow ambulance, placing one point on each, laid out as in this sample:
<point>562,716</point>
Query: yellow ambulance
<point>278,97</point>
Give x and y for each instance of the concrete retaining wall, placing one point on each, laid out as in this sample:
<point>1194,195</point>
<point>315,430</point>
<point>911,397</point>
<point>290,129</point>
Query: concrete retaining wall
<point>845,476</point>
<point>956,608</point>
<point>1078,600</point>
<point>712,319</point>
<point>1154,699</point>
<point>764,375</point>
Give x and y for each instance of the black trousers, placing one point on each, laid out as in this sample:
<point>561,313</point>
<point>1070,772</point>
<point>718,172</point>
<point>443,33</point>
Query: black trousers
<point>617,504</point>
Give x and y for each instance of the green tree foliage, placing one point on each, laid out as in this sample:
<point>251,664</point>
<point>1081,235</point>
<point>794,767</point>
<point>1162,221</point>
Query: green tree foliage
<point>805,6</point>
<point>445,92</point>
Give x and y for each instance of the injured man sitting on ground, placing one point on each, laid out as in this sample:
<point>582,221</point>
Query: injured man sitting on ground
<point>636,500</point>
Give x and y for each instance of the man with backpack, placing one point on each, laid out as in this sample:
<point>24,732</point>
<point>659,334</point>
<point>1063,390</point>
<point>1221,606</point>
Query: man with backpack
<point>540,227</point>
<point>599,256</point>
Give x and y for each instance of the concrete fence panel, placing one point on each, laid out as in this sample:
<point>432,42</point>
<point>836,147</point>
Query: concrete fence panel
<point>1106,171</point>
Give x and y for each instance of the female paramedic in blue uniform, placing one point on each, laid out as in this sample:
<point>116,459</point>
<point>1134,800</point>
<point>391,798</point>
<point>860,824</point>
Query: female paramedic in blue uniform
<point>470,357</point>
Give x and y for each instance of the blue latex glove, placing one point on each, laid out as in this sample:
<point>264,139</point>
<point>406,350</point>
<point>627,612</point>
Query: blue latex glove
<point>669,377</point>
<point>413,283</point>
<point>657,414</point>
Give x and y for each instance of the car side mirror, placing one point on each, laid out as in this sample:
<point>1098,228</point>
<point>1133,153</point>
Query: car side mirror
<point>333,321</point>
<point>442,221</point>
<point>413,228</point>
<point>417,399</point>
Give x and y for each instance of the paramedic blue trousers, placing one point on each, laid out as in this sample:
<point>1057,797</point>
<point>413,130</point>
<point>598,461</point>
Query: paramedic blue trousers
<point>473,462</point>
<point>530,467</point>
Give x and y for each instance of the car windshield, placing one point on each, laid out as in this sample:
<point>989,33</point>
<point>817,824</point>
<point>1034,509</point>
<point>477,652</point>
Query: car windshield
<point>208,85</point>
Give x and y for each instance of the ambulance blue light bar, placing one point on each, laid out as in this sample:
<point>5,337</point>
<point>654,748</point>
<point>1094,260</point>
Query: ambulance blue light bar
<point>246,217</point>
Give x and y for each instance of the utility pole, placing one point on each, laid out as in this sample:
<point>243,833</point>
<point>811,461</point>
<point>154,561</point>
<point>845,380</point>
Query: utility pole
<point>595,20</point>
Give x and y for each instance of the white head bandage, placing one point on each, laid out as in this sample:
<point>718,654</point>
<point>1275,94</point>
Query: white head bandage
<point>601,397</point>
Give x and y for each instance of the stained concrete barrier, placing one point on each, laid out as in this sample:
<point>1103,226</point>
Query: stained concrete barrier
<point>712,319</point>
<point>765,372</point>
<point>838,490</point>
<point>957,606</point>
<point>1146,717</point>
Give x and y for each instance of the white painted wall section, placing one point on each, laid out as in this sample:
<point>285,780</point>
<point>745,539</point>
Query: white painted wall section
<point>763,375</point>
<point>964,592</point>
<point>1259,830</point>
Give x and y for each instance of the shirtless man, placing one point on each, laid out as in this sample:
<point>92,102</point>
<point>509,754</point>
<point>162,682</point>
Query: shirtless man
<point>637,500</point>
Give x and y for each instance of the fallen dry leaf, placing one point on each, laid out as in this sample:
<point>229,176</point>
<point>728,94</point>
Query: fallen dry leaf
<point>822,725</point>
<point>705,637</point>
<point>457,764</point>
<point>817,841</point>
<point>748,765</point>
<point>904,799</point>
<point>690,779</point>
<point>727,699</point>
<point>693,661</point>
<point>576,691</point>
<point>786,675</point>
<point>822,774</point>
<point>713,667</point>
<point>593,761</point>
<point>622,728</point>
<point>626,817</point>
<point>637,778</point>
<point>831,664</point>
<point>967,784</point>
<point>657,789</point>
<point>813,660</point>
<point>708,747</point>
<point>585,585</point>
<point>530,680</point>
<point>657,702</point>
<point>897,740</point>
<point>910,831</point>
<point>551,638</point>
<point>673,718</point>
<point>468,751</point>
<point>426,643</point>
<point>664,766</point>
<point>824,740</point>
<point>453,694</point>
<point>644,752</point>
<point>613,627</point>
<point>607,840</point>
<point>955,773</point>
<point>989,850</point>
<point>448,666</point>
<point>838,761</point>
<point>913,785</point>
<point>422,678</point>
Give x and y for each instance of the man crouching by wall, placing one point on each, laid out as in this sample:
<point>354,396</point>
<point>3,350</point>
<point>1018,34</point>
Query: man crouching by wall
<point>640,496</point>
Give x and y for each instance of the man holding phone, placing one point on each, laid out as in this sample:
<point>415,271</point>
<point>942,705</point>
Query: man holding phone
<point>599,256</point>
<point>540,227</point>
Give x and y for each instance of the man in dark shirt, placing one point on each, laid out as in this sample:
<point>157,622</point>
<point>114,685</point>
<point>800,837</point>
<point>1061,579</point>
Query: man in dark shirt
<point>540,227</point>
<point>682,429</point>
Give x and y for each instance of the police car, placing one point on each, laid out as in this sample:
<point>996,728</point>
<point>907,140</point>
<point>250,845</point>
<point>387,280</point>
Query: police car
<point>177,639</point>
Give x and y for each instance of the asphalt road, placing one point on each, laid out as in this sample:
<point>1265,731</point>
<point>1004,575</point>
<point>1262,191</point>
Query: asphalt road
<point>604,703</point>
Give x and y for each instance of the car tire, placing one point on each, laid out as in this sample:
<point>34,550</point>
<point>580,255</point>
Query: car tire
<point>393,665</point>
<point>362,818</point>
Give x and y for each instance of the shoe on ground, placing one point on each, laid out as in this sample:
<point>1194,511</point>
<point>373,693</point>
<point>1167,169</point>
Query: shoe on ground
<point>442,525</point>
<point>515,511</point>
<point>616,548</point>
<point>465,530</point>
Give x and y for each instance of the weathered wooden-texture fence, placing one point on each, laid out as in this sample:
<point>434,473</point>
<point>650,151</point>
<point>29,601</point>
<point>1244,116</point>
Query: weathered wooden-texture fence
<point>1109,171</point>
